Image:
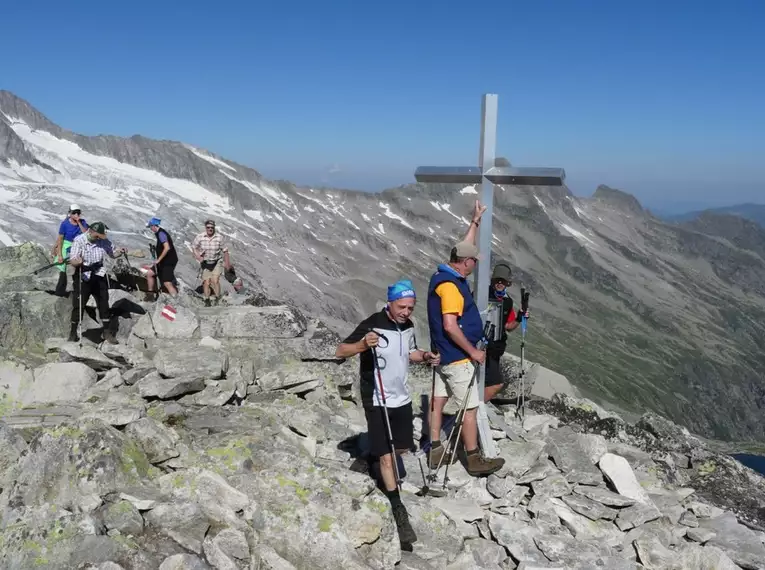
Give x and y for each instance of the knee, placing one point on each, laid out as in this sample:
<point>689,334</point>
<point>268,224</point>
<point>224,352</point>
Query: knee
<point>386,461</point>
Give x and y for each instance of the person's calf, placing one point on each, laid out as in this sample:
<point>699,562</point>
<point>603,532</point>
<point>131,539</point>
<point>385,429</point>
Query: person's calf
<point>490,392</point>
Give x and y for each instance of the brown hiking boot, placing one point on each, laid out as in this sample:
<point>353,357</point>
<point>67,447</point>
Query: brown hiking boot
<point>149,297</point>
<point>435,455</point>
<point>479,466</point>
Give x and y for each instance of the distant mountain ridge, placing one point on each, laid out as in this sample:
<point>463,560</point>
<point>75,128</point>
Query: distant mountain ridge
<point>637,312</point>
<point>754,212</point>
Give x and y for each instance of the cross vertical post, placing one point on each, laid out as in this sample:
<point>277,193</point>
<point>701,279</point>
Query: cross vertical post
<point>487,174</point>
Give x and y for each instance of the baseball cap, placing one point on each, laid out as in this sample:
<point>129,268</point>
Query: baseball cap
<point>502,271</point>
<point>465,249</point>
<point>99,228</point>
<point>153,222</point>
<point>209,223</point>
<point>73,207</point>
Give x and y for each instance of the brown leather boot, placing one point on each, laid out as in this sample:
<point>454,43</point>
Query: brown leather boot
<point>479,466</point>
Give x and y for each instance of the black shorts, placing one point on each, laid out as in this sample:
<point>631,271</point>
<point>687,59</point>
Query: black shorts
<point>166,272</point>
<point>401,426</point>
<point>493,370</point>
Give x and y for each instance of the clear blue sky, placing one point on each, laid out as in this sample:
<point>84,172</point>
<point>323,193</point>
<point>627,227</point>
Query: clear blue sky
<point>663,99</point>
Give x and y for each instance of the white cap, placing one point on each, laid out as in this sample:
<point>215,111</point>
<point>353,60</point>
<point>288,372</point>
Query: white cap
<point>73,207</point>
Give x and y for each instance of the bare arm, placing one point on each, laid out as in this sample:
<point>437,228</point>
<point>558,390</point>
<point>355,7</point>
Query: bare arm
<point>475,221</point>
<point>346,350</point>
<point>165,250</point>
<point>57,245</point>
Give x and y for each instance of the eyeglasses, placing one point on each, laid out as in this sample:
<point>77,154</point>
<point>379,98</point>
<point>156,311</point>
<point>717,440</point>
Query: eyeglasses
<point>502,282</point>
<point>210,227</point>
<point>75,212</point>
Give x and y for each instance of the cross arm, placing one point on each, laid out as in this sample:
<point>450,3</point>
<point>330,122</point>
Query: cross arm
<point>449,174</point>
<point>526,176</point>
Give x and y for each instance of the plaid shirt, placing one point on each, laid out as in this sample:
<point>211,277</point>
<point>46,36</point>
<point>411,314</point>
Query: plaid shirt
<point>210,247</point>
<point>91,252</point>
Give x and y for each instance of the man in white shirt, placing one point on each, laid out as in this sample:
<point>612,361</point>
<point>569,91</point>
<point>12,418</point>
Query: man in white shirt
<point>87,257</point>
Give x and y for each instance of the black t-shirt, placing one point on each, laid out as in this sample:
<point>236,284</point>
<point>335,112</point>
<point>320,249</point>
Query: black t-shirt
<point>392,356</point>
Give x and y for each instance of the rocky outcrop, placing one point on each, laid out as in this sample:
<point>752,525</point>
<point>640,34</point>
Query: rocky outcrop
<point>244,449</point>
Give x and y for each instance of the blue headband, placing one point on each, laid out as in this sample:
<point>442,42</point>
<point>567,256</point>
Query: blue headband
<point>401,290</point>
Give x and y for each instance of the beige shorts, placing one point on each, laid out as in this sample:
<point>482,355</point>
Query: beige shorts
<point>453,380</point>
<point>215,273</point>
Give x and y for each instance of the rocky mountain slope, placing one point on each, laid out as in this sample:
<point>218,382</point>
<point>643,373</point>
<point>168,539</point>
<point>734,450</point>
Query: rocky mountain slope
<point>637,312</point>
<point>228,439</point>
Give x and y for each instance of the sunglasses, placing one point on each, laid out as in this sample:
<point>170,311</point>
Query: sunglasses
<point>209,227</point>
<point>75,212</point>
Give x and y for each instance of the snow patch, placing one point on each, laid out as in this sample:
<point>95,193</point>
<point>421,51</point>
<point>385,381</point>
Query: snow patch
<point>255,214</point>
<point>309,209</point>
<point>366,218</point>
<point>431,230</point>
<point>210,159</point>
<point>5,239</point>
<point>299,275</point>
<point>576,234</point>
<point>392,216</point>
<point>540,203</point>
<point>469,190</point>
<point>436,205</point>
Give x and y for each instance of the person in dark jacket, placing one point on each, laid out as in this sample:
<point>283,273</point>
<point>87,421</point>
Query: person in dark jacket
<point>456,328</point>
<point>501,280</point>
<point>390,333</point>
<point>164,266</point>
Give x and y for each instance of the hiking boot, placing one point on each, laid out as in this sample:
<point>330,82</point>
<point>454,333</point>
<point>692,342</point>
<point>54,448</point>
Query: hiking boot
<point>207,303</point>
<point>109,337</point>
<point>435,455</point>
<point>406,535</point>
<point>479,466</point>
<point>149,297</point>
<point>73,333</point>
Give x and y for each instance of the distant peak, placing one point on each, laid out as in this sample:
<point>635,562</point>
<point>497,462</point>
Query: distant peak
<point>618,198</point>
<point>14,107</point>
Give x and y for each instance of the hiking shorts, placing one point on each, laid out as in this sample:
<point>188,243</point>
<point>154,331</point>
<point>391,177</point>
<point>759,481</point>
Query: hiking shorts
<point>454,379</point>
<point>401,426</point>
<point>213,273</point>
<point>166,272</point>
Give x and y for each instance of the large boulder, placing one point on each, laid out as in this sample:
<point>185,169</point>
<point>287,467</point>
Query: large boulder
<point>17,264</point>
<point>55,382</point>
<point>251,322</point>
<point>29,318</point>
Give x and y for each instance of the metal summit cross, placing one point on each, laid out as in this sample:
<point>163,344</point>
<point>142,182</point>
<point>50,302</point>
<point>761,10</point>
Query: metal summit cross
<point>487,174</point>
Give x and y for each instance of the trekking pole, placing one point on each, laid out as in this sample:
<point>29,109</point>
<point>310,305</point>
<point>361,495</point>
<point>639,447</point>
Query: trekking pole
<point>65,261</point>
<point>387,419</point>
<point>522,394</point>
<point>79,325</point>
<point>463,410</point>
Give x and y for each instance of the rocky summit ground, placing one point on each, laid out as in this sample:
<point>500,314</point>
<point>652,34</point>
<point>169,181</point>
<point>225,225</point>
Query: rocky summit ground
<point>229,438</point>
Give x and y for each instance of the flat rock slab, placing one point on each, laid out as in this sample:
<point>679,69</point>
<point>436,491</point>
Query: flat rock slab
<point>60,382</point>
<point>251,322</point>
<point>154,386</point>
<point>740,543</point>
<point>191,361</point>
<point>604,496</point>
<point>88,355</point>
<point>571,453</point>
<point>460,509</point>
<point>619,473</point>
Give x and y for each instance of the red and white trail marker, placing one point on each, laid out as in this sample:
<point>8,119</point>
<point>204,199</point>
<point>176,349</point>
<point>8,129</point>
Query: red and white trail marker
<point>168,312</point>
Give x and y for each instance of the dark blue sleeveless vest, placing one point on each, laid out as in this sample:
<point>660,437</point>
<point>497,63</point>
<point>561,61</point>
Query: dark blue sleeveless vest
<point>470,321</point>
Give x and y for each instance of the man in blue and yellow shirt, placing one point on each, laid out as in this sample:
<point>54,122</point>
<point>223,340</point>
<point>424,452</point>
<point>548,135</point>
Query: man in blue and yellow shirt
<point>455,330</point>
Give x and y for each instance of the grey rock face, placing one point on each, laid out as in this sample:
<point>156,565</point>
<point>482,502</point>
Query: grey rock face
<point>258,469</point>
